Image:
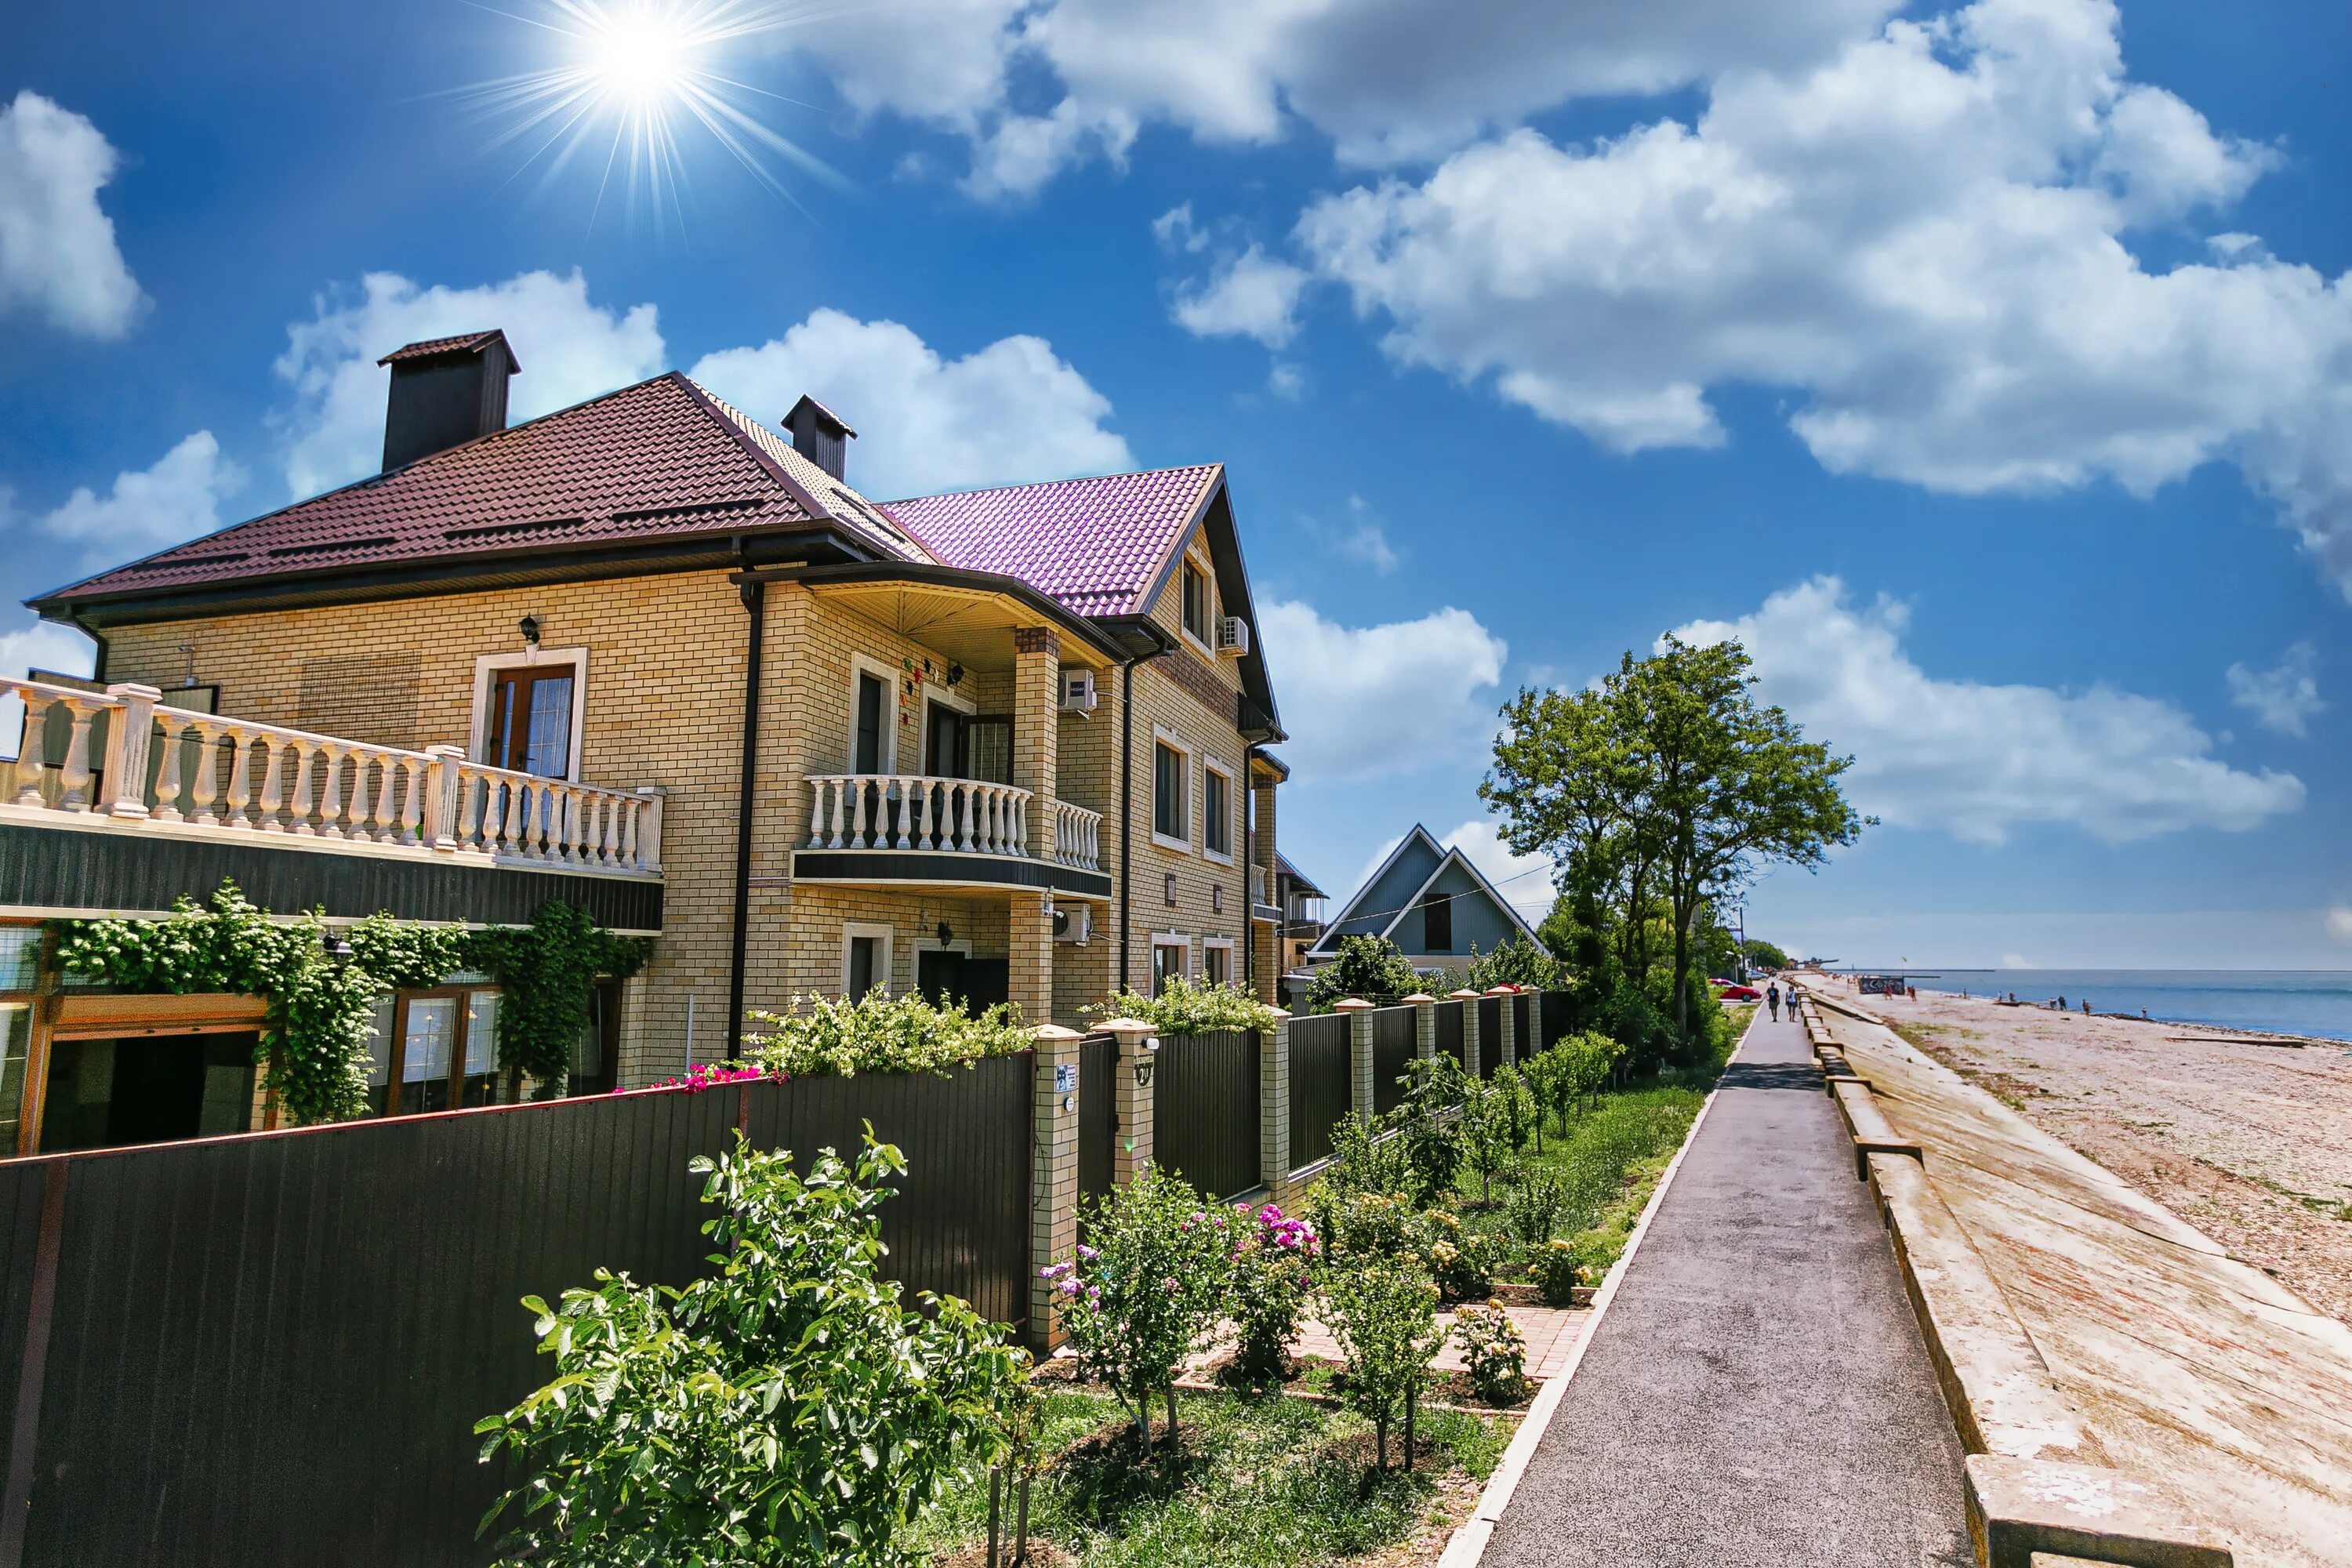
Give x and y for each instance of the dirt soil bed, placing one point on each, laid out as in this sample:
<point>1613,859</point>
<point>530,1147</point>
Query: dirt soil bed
<point>2248,1140</point>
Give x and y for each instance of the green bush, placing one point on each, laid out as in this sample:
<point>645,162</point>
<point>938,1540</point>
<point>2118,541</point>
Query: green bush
<point>1532,1208</point>
<point>1185,1008</point>
<point>1383,1312</point>
<point>1513,1108</point>
<point>1460,1260</point>
<point>822,1037</point>
<point>1372,967</point>
<point>1145,1288</point>
<point>1516,962</point>
<point>1493,1351</point>
<point>1358,1227</point>
<point>788,1409</point>
<point>1558,1268</point>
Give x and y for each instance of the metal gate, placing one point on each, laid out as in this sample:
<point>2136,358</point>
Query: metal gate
<point>1204,1111</point>
<point>1097,1113</point>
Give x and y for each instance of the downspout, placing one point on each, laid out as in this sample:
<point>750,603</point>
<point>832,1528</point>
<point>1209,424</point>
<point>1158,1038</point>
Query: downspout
<point>1126,815</point>
<point>755,598</point>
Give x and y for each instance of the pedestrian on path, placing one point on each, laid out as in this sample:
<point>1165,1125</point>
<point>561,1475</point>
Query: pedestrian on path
<point>1773,1000</point>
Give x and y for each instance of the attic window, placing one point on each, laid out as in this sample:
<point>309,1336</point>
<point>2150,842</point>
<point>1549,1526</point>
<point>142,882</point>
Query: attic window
<point>1437,923</point>
<point>1196,603</point>
<point>332,546</point>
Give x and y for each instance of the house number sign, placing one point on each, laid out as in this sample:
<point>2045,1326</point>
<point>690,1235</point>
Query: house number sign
<point>1066,1077</point>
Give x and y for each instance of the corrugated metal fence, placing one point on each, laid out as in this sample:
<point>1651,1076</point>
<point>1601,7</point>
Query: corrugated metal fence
<point>272,1349</point>
<point>1204,1111</point>
<point>1097,1113</point>
<point>1396,1036</point>
<point>1318,1084</point>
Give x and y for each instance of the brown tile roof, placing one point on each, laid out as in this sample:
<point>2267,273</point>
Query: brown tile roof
<point>462,341</point>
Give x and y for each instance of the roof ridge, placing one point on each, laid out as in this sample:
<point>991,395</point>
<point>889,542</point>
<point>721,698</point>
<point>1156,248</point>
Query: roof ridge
<point>1041,484</point>
<point>747,431</point>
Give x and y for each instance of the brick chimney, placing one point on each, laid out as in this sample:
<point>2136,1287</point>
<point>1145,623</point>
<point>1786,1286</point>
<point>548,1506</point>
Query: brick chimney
<point>444,393</point>
<point>820,436</point>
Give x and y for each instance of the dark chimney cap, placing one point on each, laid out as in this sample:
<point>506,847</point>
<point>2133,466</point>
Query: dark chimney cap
<point>462,343</point>
<point>820,435</point>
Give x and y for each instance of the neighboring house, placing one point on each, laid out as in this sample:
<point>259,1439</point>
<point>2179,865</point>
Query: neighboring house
<point>1431,902</point>
<point>1303,906</point>
<point>648,655</point>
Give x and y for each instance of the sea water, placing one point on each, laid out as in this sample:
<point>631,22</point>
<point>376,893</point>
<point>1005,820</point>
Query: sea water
<point>2289,1001</point>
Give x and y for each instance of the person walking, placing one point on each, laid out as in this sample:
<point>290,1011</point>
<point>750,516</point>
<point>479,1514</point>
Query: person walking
<point>1772,999</point>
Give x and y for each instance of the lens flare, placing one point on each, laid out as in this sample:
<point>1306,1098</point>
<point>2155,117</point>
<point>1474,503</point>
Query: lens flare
<point>639,82</point>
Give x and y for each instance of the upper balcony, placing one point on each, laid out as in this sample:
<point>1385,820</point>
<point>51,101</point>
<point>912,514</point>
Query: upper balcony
<point>921,828</point>
<point>119,802</point>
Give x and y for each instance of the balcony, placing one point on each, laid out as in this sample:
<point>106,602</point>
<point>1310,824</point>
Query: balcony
<point>118,801</point>
<point>918,829</point>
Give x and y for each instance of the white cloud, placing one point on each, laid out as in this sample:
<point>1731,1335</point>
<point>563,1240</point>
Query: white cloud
<point>1286,381</point>
<point>1977,759</point>
<point>569,349</point>
<point>57,255</point>
<point>1250,295</point>
<point>177,499</point>
<point>42,645</point>
<point>2284,700</point>
<point>1007,413</point>
<point>2339,923</point>
<point>1384,78</point>
<point>1361,537</point>
<point>1922,239</point>
<point>1366,702</point>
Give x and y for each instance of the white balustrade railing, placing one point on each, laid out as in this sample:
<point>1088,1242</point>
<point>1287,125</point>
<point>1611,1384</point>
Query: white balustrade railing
<point>169,765</point>
<point>1077,836</point>
<point>914,811</point>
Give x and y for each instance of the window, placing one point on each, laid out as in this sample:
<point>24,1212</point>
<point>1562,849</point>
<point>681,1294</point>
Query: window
<point>864,960</point>
<point>530,720</point>
<point>20,962</point>
<point>870,752</point>
<point>1217,963</point>
<point>1196,603</point>
<point>1217,813</point>
<point>434,1050</point>
<point>1171,810</point>
<point>1168,956</point>
<point>1437,923</point>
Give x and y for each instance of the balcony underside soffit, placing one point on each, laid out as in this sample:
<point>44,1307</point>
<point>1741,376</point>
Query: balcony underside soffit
<point>969,626</point>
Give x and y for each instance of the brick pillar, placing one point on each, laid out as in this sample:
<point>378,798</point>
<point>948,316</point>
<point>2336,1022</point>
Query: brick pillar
<point>1037,732</point>
<point>1274,1109</point>
<point>1424,1024</point>
<point>1131,1138</point>
<point>1507,1047</point>
<point>1469,1000</point>
<point>1359,1055</point>
<point>1054,1182</point>
<point>1268,958</point>
<point>1029,953</point>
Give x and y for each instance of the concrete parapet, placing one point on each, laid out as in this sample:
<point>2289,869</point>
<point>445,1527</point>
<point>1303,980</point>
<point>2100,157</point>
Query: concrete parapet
<point>2024,1511</point>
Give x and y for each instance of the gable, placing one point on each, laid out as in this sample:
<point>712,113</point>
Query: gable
<point>1389,889</point>
<point>1480,919</point>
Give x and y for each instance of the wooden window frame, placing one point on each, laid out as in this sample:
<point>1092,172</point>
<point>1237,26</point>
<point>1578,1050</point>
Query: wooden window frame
<point>454,1080</point>
<point>1190,569</point>
<point>888,762</point>
<point>1175,941</point>
<point>1225,945</point>
<point>487,668</point>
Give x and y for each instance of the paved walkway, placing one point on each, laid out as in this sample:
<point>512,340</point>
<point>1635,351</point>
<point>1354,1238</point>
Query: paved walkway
<point>1758,1393</point>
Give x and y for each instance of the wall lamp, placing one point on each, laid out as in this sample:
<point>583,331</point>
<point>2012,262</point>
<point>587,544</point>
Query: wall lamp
<point>530,630</point>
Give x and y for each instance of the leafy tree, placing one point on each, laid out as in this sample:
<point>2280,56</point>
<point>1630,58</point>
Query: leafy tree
<point>1484,1133</point>
<point>1766,956</point>
<point>1667,783</point>
<point>1514,1108</point>
<point>1515,962</point>
<point>1586,1060</point>
<point>788,1409</point>
<point>1383,1312</point>
<point>1372,967</point>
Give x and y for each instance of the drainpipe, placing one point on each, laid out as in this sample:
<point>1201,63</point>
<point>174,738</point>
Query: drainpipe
<point>1125,814</point>
<point>755,599</point>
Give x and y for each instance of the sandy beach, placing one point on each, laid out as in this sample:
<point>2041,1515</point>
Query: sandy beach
<point>2246,1138</point>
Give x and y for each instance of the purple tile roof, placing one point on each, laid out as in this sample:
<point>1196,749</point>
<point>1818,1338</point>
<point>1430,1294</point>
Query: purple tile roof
<point>1096,544</point>
<point>664,458</point>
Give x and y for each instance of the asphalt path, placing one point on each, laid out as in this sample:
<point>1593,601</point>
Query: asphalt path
<point>1757,1393</point>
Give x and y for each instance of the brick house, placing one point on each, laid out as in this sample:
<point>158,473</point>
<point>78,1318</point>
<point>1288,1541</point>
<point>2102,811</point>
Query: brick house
<point>650,656</point>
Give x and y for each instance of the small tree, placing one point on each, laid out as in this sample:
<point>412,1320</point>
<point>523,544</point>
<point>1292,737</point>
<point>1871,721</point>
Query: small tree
<point>1514,1108</point>
<point>1434,1087</point>
<point>1484,1133</point>
<point>788,1408</point>
<point>1272,1256</point>
<point>1588,1059</point>
<point>1144,1289</point>
<point>1516,960</point>
<point>1553,1085</point>
<point>1383,1312</point>
<point>1372,967</point>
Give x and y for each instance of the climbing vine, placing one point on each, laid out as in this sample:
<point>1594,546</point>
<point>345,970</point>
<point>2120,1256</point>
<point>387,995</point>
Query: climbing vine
<point>545,971</point>
<point>314,1042</point>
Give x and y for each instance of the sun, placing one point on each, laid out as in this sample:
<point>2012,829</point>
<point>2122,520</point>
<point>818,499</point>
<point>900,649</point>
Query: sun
<point>638,84</point>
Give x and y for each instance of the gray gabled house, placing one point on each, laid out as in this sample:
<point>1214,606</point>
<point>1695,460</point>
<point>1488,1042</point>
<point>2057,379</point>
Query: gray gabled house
<point>1431,902</point>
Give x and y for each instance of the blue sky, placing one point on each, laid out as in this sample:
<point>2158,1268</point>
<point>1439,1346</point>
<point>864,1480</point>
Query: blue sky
<point>1988,370</point>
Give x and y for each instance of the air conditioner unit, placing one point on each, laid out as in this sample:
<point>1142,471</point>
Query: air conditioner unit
<point>1074,922</point>
<point>1233,636</point>
<point>1078,691</point>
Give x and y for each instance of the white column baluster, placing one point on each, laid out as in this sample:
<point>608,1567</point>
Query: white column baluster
<point>73,779</point>
<point>240,780</point>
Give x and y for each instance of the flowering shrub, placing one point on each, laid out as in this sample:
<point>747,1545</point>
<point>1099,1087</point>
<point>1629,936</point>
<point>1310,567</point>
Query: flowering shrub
<point>788,1408</point>
<point>1495,1351</point>
<point>822,1037</point>
<point>1271,1255</point>
<point>1145,1288</point>
<point>1460,1260</point>
<point>1384,1315</point>
<point>1559,1265</point>
<point>1365,1227</point>
<point>710,1074</point>
<point>1188,1008</point>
